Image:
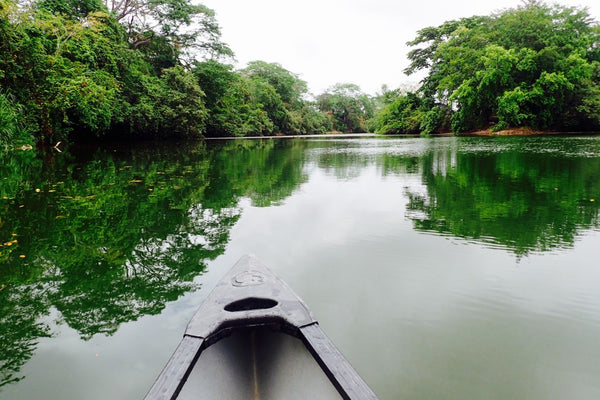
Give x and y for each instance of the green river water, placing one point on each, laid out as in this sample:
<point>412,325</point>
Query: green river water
<point>445,268</point>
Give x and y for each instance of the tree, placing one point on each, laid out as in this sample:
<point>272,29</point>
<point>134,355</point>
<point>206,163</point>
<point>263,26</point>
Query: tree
<point>71,8</point>
<point>262,99</point>
<point>278,90</point>
<point>308,120</point>
<point>287,85</point>
<point>71,71</point>
<point>348,107</point>
<point>63,73</point>
<point>186,29</point>
<point>237,105</point>
<point>534,66</point>
<point>402,115</point>
<point>169,106</point>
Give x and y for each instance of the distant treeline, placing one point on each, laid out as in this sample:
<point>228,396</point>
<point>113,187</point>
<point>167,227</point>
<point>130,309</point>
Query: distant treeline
<point>81,70</point>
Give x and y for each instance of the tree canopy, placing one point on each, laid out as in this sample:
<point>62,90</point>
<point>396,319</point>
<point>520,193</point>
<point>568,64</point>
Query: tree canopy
<point>348,107</point>
<point>534,66</point>
<point>85,69</point>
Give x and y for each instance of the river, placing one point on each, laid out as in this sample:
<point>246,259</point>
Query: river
<point>443,268</point>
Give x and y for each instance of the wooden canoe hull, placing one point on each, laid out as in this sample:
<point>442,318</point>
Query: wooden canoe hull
<point>258,340</point>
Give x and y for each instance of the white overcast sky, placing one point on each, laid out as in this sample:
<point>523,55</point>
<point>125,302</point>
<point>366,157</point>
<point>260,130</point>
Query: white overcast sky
<point>352,41</point>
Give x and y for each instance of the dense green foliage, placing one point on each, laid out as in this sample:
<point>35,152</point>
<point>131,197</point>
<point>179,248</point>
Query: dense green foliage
<point>74,70</point>
<point>348,108</point>
<point>535,66</point>
<point>410,113</point>
<point>85,69</point>
<point>82,69</point>
<point>282,96</point>
<point>11,130</point>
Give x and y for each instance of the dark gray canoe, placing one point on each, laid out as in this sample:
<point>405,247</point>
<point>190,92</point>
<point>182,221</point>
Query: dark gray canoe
<point>253,338</point>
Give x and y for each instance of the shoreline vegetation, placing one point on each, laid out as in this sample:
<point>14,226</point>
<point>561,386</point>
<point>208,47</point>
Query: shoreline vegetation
<point>525,132</point>
<point>478,133</point>
<point>88,71</point>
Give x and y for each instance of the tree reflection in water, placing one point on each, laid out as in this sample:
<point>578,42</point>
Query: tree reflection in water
<point>523,199</point>
<point>109,236</point>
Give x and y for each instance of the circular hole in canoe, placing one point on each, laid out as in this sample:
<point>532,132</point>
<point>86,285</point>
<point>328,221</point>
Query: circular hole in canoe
<point>250,303</point>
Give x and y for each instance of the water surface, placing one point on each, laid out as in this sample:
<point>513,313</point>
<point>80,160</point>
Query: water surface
<point>448,268</point>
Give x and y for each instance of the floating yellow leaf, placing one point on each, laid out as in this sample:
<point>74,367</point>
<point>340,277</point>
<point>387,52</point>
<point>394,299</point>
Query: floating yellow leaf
<point>592,200</point>
<point>37,190</point>
<point>22,256</point>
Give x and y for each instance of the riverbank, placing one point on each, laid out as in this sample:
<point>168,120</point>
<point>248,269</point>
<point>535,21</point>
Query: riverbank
<point>315,136</point>
<point>524,132</point>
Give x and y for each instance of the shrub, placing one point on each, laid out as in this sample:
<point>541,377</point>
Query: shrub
<point>11,130</point>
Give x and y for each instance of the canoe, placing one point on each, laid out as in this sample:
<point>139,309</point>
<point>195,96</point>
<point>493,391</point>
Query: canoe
<point>253,338</point>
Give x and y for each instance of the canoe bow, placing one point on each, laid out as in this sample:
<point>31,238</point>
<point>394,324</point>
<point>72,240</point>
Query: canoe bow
<point>250,295</point>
